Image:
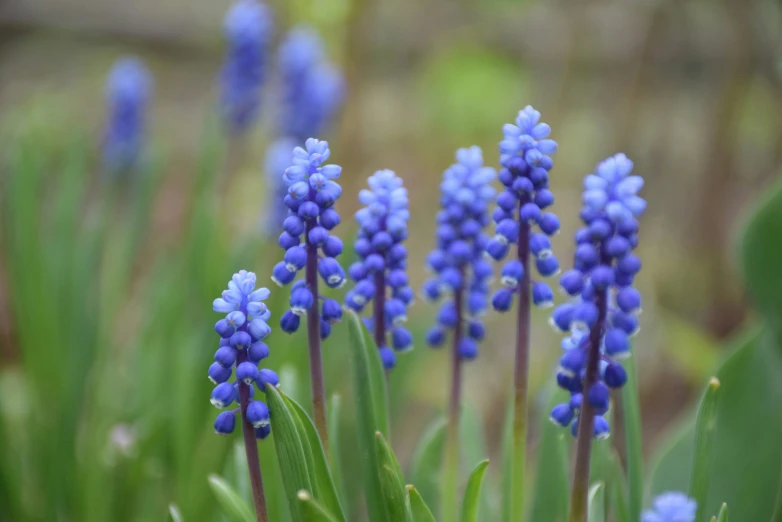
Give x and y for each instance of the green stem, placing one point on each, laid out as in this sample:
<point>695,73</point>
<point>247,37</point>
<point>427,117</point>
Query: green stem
<point>631,419</point>
<point>451,461</point>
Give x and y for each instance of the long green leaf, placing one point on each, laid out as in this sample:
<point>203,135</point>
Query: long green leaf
<point>597,503</point>
<point>312,511</point>
<point>290,451</point>
<point>369,395</point>
<point>233,505</point>
<point>723,514</point>
<point>705,428</point>
<point>551,487</point>
<point>335,448</point>
<point>325,492</point>
<point>392,483</point>
<point>472,493</point>
<point>173,511</point>
<point>418,508</point>
<point>426,462</point>
<point>633,442</point>
<point>607,469</point>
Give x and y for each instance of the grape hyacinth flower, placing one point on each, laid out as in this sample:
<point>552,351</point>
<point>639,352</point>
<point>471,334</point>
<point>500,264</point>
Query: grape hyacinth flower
<point>521,220</point>
<point>461,277</point>
<point>242,348</point>
<point>128,90</point>
<point>279,156</point>
<point>671,506</point>
<point>247,28</point>
<point>312,193</point>
<point>602,316</point>
<point>380,274</point>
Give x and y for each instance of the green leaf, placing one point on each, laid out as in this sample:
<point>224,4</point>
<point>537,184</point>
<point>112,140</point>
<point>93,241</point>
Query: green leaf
<point>320,476</point>
<point>506,482</point>
<point>751,388</point>
<point>335,455</point>
<point>418,508</point>
<point>723,514</point>
<point>290,451</point>
<point>312,511</point>
<point>392,483</point>
<point>234,507</point>
<point>472,448</point>
<point>607,468</point>
<point>472,493</point>
<point>426,462</point>
<point>633,440</point>
<point>597,503</point>
<point>173,511</point>
<point>705,429</point>
<point>551,486</point>
<point>369,393</point>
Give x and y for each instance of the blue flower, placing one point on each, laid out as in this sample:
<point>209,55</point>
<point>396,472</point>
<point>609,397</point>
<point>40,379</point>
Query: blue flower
<point>525,157</point>
<point>671,506</point>
<point>605,305</point>
<point>311,194</point>
<point>380,272</point>
<point>312,89</point>
<point>128,90</point>
<point>241,349</point>
<point>279,156</point>
<point>248,28</point>
<point>457,263</point>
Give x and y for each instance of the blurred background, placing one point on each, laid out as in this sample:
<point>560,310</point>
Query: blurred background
<point>105,289</point>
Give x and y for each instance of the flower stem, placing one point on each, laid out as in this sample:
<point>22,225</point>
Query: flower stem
<point>378,314</point>
<point>521,380</point>
<point>313,337</point>
<point>586,420</point>
<point>451,463</point>
<point>251,448</point>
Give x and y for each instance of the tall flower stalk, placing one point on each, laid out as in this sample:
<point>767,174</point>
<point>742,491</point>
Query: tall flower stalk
<point>241,349</point>
<point>524,155</point>
<point>383,263</point>
<point>311,195</point>
<point>461,273</point>
<point>603,314</point>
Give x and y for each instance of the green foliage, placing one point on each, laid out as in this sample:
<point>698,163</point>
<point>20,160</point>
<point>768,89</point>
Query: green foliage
<point>312,511</point>
<point>705,429</point>
<point>233,506</point>
<point>469,512</point>
<point>597,503</point>
<point>392,484</point>
<point>427,461</point>
<point>418,509</point>
<point>632,429</point>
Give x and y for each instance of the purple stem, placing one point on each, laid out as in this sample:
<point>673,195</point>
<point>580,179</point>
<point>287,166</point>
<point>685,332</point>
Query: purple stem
<point>586,419</point>
<point>456,367</point>
<point>251,447</point>
<point>313,336</point>
<point>378,314</point>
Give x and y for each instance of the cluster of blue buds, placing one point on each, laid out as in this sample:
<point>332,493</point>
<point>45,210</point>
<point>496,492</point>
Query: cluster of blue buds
<point>311,195</point>
<point>241,350</point>
<point>128,89</point>
<point>458,262</point>
<point>383,262</point>
<point>312,89</point>
<point>248,28</point>
<point>672,506</point>
<point>526,161</point>
<point>605,304</point>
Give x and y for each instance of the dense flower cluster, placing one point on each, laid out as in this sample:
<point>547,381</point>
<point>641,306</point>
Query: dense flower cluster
<point>312,89</point>
<point>241,349</point>
<point>672,506</point>
<point>128,89</point>
<point>248,29</point>
<point>311,195</point>
<point>458,263</point>
<point>382,262</point>
<point>524,155</point>
<point>605,304</point>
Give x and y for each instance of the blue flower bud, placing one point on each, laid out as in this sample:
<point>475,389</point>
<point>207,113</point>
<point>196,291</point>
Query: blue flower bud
<point>332,247</point>
<point>224,329</point>
<point>540,245</point>
<point>247,372</point>
<point>576,401</point>
<point>218,373</point>
<point>317,236</point>
<point>287,241</point>
<point>497,249</point>
<point>281,275</point>
<point>476,303</point>
<point>598,395</point>
<point>395,312</point>
<point>223,395</point>
<point>382,241</point>
<point>562,316</point>
<point>562,415</point>
<point>572,282</point>
<point>225,356</point>
<point>530,213</point>
<point>569,382</point>
<point>451,278</point>
<point>308,210</point>
<point>225,423</point>
<point>325,329</point>
<point>301,300</point>
<point>512,273</point>
<point>431,289</point>
<point>617,246</point>
<point>331,272</point>
<point>626,322</point>
<point>404,294</point>
<point>542,295</point>
<point>387,357</point>
<point>437,260</point>
<point>258,329</point>
<point>549,224</point>
<point>547,266</point>
<point>447,316</point>
<point>476,330</point>
<point>572,362</point>
<point>617,343</point>
<point>435,337</point>
<point>602,277</point>
<point>629,300</point>
<point>507,231</point>
<point>257,414</point>
<point>543,198</point>
<point>401,339</point>
<point>266,376</point>
<point>397,279</point>
<point>289,322</point>
<point>602,430</point>
<point>374,263</point>
<point>615,375</point>
<point>468,349</point>
<point>263,432</point>
<point>629,265</point>
<point>584,317</point>
<point>293,225</point>
<point>507,200</point>
<point>329,218</point>
<point>257,352</point>
<point>502,300</point>
<point>460,252</point>
<point>331,311</point>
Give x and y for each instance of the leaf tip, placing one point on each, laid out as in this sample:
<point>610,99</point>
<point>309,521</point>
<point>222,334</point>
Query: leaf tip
<point>303,494</point>
<point>714,384</point>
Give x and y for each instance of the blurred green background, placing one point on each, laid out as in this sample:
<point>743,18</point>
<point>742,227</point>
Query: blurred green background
<point>105,319</point>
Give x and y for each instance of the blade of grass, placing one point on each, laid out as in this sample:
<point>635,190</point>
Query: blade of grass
<point>418,508</point>
<point>705,427</point>
<point>633,444</point>
<point>472,491</point>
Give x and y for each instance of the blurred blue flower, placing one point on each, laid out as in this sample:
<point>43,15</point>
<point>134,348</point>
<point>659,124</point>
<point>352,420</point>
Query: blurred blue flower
<point>242,332</point>
<point>380,273</point>
<point>247,27</point>
<point>312,192</point>
<point>128,90</point>
<point>279,156</point>
<point>671,506</point>
<point>605,305</point>
<point>457,263</point>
